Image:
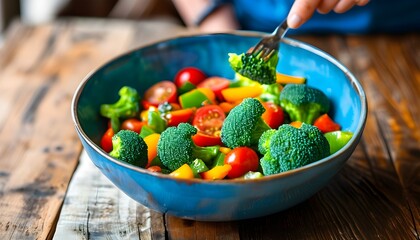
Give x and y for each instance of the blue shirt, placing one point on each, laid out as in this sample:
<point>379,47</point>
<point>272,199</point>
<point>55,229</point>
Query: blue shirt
<point>377,16</point>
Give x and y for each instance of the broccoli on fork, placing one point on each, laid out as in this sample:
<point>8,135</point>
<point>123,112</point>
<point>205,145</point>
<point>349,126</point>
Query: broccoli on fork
<point>128,105</point>
<point>303,103</point>
<point>129,147</point>
<point>176,147</point>
<point>244,125</point>
<point>289,148</point>
<point>254,67</point>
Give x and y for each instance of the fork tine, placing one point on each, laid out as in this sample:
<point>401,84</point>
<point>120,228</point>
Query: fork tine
<point>267,46</point>
<point>257,48</point>
<point>268,56</point>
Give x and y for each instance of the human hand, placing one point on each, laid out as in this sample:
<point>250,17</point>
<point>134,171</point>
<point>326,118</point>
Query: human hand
<point>302,10</point>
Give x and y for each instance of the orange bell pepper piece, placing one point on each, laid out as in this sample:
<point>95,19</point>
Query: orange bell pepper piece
<point>216,173</point>
<point>227,106</point>
<point>151,142</point>
<point>296,124</point>
<point>285,79</point>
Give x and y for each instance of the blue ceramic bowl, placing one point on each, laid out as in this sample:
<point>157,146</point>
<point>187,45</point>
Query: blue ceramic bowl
<point>222,200</point>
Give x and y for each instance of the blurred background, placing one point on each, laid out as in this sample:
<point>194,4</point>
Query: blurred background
<point>41,11</point>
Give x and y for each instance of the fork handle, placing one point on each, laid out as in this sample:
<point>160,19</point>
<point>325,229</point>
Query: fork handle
<point>281,30</point>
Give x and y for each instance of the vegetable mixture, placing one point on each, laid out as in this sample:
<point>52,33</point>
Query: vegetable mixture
<point>209,127</point>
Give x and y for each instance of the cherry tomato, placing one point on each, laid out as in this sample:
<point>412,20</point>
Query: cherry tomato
<point>273,115</point>
<point>189,74</point>
<point>164,91</point>
<point>242,160</point>
<point>132,124</point>
<point>106,140</point>
<point>216,84</point>
<point>209,119</point>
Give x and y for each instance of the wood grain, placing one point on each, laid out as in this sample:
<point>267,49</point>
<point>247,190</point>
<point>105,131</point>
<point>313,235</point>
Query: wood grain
<point>375,196</point>
<point>94,208</point>
<point>40,70</point>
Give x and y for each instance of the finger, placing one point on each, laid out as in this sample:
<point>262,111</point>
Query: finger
<point>326,6</point>
<point>362,2</point>
<point>344,5</point>
<point>301,11</point>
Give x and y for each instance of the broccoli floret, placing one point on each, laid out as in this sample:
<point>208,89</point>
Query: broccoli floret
<point>289,147</point>
<point>303,103</point>
<point>129,147</point>
<point>253,66</point>
<point>176,147</point>
<point>244,125</point>
<point>127,106</point>
<point>271,93</point>
<point>264,141</point>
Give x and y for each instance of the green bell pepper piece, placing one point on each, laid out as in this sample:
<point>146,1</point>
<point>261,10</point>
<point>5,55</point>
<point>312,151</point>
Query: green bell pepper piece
<point>337,139</point>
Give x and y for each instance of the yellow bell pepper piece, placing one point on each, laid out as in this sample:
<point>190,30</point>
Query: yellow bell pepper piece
<point>183,172</point>
<point>239,93</point>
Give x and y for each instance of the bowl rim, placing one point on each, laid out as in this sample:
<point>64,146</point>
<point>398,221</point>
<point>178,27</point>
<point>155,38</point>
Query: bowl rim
<point>292,42</point>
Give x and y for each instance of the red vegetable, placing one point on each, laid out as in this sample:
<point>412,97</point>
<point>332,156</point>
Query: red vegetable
<point>216,84</point>
<point>154,169</point>
<point>208,120</point>
<point>273,115</point>
<point>178,116</point>
<point>106,140</point>
<point>192,75</point>
<point>160,92</point>
<point>326,124</point>
<point>132,124</point>
<point>242,160</point>
<point>203,140</point>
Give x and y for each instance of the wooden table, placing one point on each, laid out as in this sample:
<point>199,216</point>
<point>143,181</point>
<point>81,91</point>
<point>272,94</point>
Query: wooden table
<point>50,189</point>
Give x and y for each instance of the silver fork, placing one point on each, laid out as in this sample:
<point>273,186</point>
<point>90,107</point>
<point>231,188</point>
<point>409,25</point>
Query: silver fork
<point>269,44</point>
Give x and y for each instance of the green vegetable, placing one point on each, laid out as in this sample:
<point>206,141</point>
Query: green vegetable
<point>303,103</point>
<point>146,131</point>
<point>262,70</point>
<point>193,99</point>
<point>176,147</point>
<point>252,175</point>
<point>337,139</point>
<point>155,121</point>
<point>186,87</point>
<point>127,106</point>
<point>288,148</point>
<point>198,166</point>
<point>271,93</point>
<point>129,147</point>
<point>220,160</point>
<point>241,81</point>
<point>156,162</point>
<point>244,125</point>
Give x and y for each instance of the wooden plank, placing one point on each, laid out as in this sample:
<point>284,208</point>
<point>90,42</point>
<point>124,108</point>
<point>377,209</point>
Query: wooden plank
<point>393,76</point>
<point>376,194</point>
<point>188,229</point>
<point>38,144</point>
<point>95,208</point>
